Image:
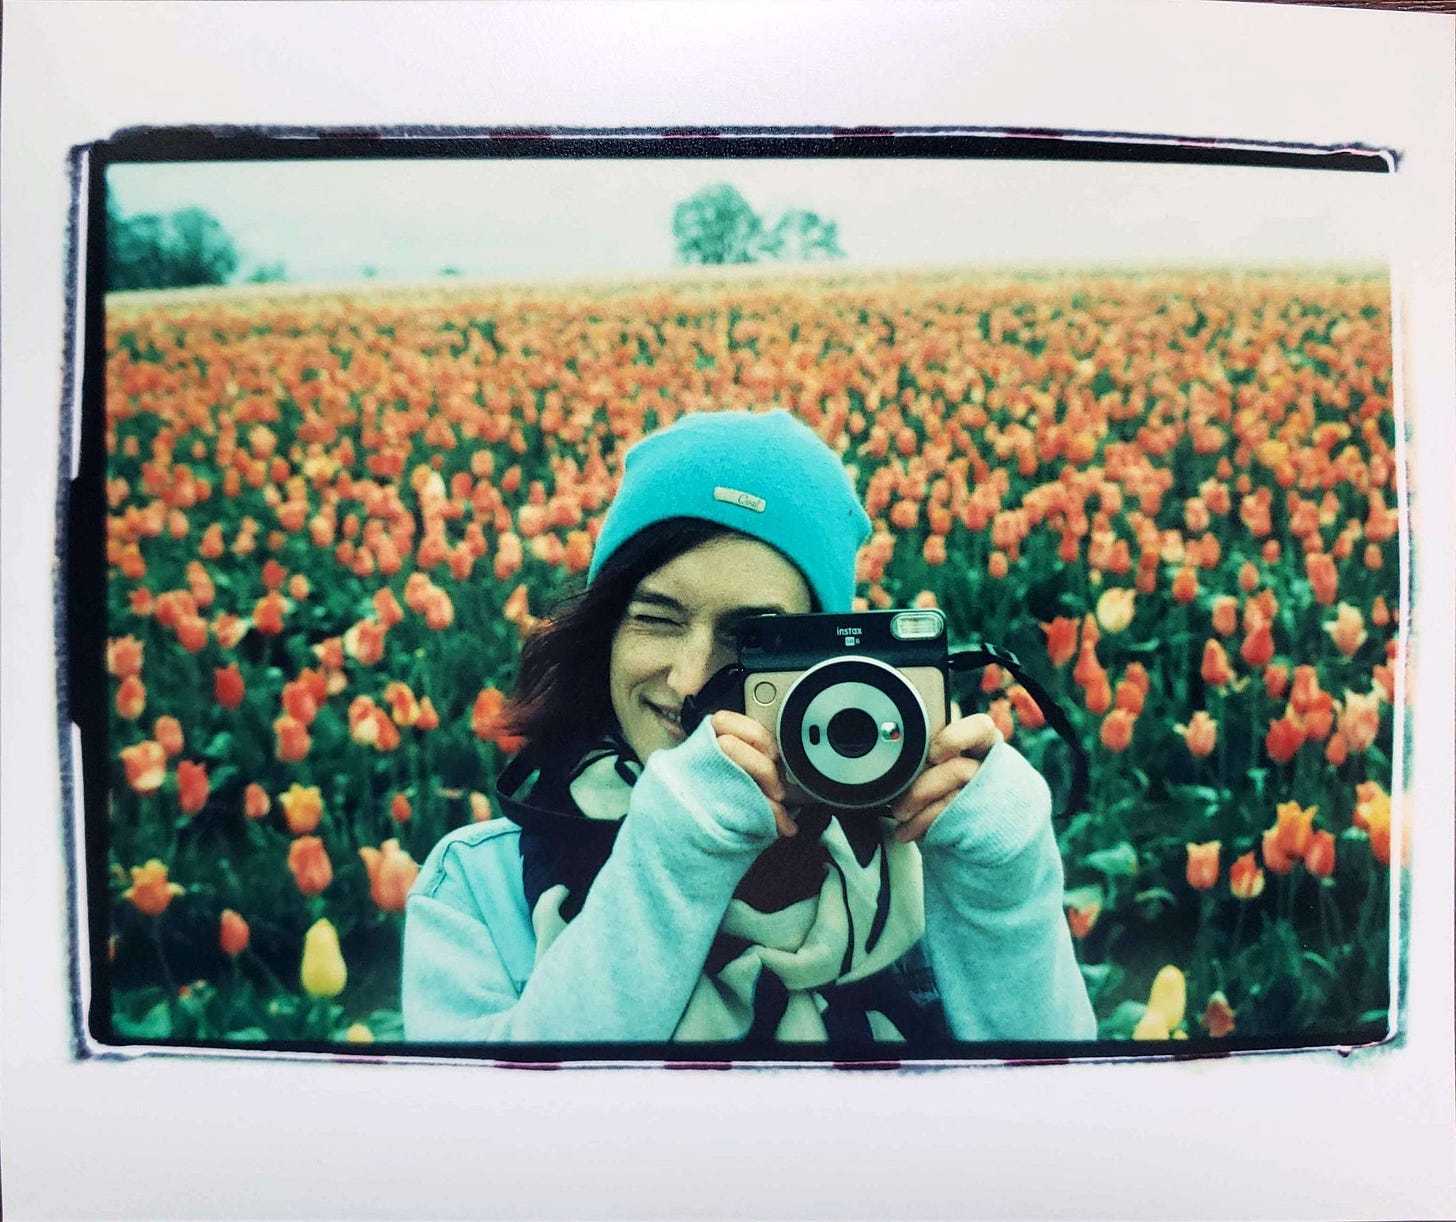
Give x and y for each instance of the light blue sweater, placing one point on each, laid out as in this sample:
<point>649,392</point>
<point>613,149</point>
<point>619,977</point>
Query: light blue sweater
<point>623,969</point>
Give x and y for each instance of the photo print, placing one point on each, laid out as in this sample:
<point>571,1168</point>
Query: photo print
<point>1092,448</point>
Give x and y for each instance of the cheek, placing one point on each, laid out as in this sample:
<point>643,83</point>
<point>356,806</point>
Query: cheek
<point>632,661</point>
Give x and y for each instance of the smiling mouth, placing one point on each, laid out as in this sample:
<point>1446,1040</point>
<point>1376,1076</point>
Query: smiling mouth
<point>672,720</point>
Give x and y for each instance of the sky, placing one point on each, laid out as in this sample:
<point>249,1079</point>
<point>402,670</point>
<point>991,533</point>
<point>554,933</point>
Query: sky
<point>549,220</point>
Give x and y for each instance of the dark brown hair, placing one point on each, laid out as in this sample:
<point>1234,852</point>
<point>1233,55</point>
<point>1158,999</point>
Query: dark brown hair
<point>562,699</point>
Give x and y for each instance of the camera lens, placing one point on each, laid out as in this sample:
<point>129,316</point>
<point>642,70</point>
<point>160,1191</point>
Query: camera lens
<point>852,733</point>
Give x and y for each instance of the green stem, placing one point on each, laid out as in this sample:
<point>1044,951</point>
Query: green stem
<point>156,930</point>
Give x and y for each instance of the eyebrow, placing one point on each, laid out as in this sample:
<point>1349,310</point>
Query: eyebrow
<point>655,598</point>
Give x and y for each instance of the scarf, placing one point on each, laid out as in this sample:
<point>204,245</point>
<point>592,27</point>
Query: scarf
<point>819,942</point>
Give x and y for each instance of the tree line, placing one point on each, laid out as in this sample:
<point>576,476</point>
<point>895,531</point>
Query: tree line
<point>190,247</point>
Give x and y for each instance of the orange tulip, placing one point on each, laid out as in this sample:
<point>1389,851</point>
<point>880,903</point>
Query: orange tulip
<point>1185,585</point>
<point>229,630</point>
<point>1323,579</point>
<point>232,933</point>
<point>997,566</point>
<point>268,614</point>
<point>364,642</point>
<point>192,632</point>
<point>256,802</point>
<point>428,719</point>
<point>1360,720</point>
<point>150,892</point>
<point>1202,868</point>
<point>1319,857</point>
<point>392,872</point>
<point>403,706</point>
<point>227,686</point>
<point>193,786</point>
<point>1200,734</point>
<point>292,739</point>
<point>300,701</point>
<point>124,656</point>
<point>1284,739</point>
<point>1347,629</point>
<point>146,766</point>
<point>131,698</point>
<point>1129,697</point>
<point>1216,670</point>
<point>1276,680</point>
<point>399,808</point>
<point>1276,859</point>
<point>1225,614</point>
<point>168,733</point>
<point>1246,880</point>
<point>1061,635</point>
<point>310,864</point>
<point>1117,730</point>
<point>1081,920</point>
<point>303,808</point>
<point>1028,712</point>
<point>1258,647</point>
<point>387,607</point>
<point>1218,1016</point>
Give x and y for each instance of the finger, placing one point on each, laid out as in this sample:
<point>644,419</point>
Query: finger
<point>972,736</point>
<point>782,819</point>
<point>943,781</point>
<point>916,827</point>
<point>763,771</point>
<point>740,725</point>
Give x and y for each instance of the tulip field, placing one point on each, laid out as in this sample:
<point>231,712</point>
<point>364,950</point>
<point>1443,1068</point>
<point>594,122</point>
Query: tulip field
<point>332,517</point>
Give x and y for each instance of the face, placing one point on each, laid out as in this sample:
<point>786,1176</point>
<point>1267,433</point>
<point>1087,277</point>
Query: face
<point>676,631</point>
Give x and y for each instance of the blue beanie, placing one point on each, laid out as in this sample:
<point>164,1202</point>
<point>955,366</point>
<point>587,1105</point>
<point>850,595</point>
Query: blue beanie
<point>764,474</point>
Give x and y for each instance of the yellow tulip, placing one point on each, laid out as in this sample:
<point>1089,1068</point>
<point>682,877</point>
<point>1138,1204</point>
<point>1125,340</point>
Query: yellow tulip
<point>1151,1026</point>
<point>1169,997</point>
<point>1115,609</point>
<point>358,1033</point>
<point>323,973</point>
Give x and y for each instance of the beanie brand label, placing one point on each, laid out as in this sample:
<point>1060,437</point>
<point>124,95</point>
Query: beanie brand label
<point>744,499</point>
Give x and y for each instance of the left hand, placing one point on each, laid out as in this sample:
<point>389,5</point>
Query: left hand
<point>954,757</point>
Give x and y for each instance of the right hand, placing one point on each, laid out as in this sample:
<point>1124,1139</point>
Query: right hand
<point>752,748</point>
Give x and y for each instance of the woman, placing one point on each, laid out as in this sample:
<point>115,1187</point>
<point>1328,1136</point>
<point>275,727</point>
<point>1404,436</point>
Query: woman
<point>654,886</point>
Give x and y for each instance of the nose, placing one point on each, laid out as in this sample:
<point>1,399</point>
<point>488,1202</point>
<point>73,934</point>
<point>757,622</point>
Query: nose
<point>699,657</point>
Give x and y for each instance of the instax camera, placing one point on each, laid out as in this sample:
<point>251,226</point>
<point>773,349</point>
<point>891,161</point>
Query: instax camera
<point>853,701</point>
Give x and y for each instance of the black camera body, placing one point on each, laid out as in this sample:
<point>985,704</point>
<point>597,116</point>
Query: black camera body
<point>852,700</point>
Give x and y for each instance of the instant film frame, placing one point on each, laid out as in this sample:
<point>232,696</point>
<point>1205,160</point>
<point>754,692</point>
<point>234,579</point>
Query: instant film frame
<point>1302,1134</point>
<point>1241,578</point>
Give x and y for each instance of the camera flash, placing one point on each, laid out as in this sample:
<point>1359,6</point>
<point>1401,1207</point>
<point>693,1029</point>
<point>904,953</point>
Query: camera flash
<point>917,625</point>
<point>764,692</point>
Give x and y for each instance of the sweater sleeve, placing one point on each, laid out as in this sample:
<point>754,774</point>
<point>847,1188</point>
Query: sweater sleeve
<point>996,935</point>
<point>623,969</point>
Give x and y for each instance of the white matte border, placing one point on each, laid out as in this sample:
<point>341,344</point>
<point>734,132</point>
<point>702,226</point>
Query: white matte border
<point>1303,1135</point>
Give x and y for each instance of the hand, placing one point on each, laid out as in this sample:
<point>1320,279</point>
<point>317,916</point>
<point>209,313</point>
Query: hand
<point>752,748</point>
<point>954,757</point>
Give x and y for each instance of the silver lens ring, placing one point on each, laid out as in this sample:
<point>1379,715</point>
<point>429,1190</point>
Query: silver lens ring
<point>884,696</point>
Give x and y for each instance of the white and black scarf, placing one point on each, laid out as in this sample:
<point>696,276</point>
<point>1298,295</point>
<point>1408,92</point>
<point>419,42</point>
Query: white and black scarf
<point>820,941</point>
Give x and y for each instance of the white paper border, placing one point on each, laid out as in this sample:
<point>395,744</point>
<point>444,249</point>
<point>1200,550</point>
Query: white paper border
<point>1307,1135</point>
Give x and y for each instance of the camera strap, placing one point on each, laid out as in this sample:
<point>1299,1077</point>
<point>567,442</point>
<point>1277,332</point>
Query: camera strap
<point>978,657</point>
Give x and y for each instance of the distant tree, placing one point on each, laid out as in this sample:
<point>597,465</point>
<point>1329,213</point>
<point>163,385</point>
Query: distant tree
<point>717,225</point>
<point>267,273</point>
<point>449,271</point>
<point>801,235</point>
<point>178,250</point>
